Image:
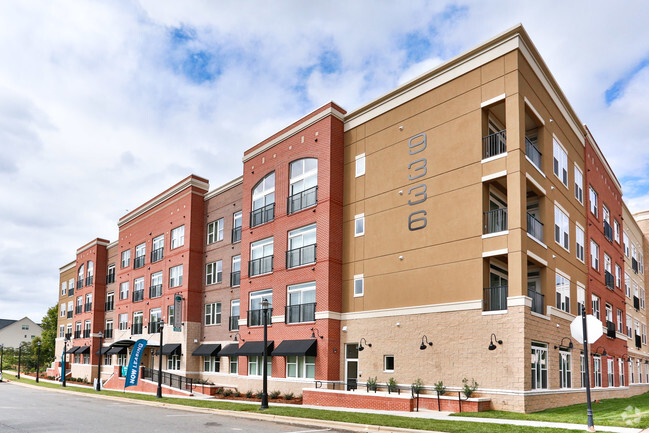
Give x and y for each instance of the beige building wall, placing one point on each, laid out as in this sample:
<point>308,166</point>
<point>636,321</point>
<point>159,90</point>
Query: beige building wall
<point>636,228</point>
<point>20,331</point>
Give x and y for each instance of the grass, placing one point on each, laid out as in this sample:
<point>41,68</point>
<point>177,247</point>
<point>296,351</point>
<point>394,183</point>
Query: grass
<point>609,412</point>
<point>317,414</point>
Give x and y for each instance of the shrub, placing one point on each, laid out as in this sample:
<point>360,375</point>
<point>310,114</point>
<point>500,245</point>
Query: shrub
<point>236,394</point>
<point>275,394</point>
<point>418,386</point>
<point>392,384</point>
<point>227,392</point>
<point>289,396</point>
<point>467,389</point>
<point>440,388</point>
<point>259,394</point>
<point>371,383</point>
<point>219,391</point>
<point>249,394</point>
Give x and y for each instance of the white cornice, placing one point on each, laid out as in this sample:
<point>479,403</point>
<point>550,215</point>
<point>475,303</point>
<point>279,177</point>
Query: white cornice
<point>71,265</point>
<point>235,182</point>
<point>92,244</point>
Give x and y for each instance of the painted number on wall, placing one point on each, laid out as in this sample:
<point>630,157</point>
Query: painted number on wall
<point>417,169</point>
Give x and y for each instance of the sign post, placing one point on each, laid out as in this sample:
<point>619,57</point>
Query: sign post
<point>589,332</point>
<point>178,307</point>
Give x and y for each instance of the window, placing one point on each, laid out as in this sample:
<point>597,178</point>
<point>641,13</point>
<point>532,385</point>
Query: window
<point>157,248</point>
<point>626,245</point>
<point>213,313</point>
<point>579,240</point>
<point>644,333</point>
<point>593,200</point>
<point>359,285</point>
<point>608,308</point>
<point>110,275</point>
<point>304,183</point>
<point>388,363</point>
<point>539,366</point>
<point>77,330</point>
<point>173,362</point>
<point>176,276</point>
<point>255,365</point>
<point>627,285</point>
<point>360,165</point>
<point>632,376</point>
<point>76,358</point>
<point>64,288</point>
<point>138,289</point>
<point>642,296</point>
<point>79,308</point>
<point>579,185</point>
<point>610,373</point>
<point>88,304</point>
<point>608,265</point>
<point>215,231</point>
<point>63,310</point>
<point>126,258</point>
<point>301,303</point>
<point>136,326</point>
<point>155,317</point>
<point>561,228</point>
<point>156,285</point>
<point>359,225</point>
<point>122,360</point>
<point>606,215</point>
<point>618,275</point>
<point>301,246</point>
<point>108,328</point>
<point>71,287</point>
<point>300,366</point>
<point>616,230</point>
<point>641,263</point>
<point>235,275</point>
<point>170,315</point>
<point>597,370</point>
<point>90,273</point>
<point>261,257</point>
<point>234,314</point>
<point>86,329</point>
<point>629,329</point>
<point>620,369</point>
<point>211,364</point>
<point>581,298</point>
<point>594,254</point>
<point>236,227</point>
<point>263,201</point>
<point>234,364</point>
<point>62,331</point>
<point>108,360</point>
<point>255,315</point>
<point>213,272</point>
<point>595,306</point>
<point>565,370</point>
<point>560,162</point>
<point>140,252</point>
<point>563,292</point>
<point>178,237</point>
<point>620,321</point>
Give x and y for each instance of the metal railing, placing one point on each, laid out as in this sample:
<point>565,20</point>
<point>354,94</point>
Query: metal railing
<point>79,283</point>
<point>155,291</point>
<point>136,328</point>
<point>234,323</point>
<point>138,295</point>
<point>169,379</point>
<point>89,281</point>
<point>86,333</point>
<point>533,153</point>
<point>138,262</point>
<point>300,256</point>
<point>610,329</point>
<point>71,291</point>
<point>108,333</point>
<point>300,313</point>
<point>495,220</point>
<point>87,307</point>
<point>609,280</point>
<point>302,200</point>
<point>534,227</point>
<point>235,278</point>
<point>262,265</point>
<point>236,235</point>
<point>154,327</point>
<point>634,265</point>
<point>77,334</point>
<point>537,301</point>
<point>636,303</point>
<point>70,313</point>
<point>109,305</point>
<point>78,309</point>
<point>262,215</point>
<point>494,144</point>
<point>157,255</point>
<point>608,231</point>
<point>494,298</point>
<point>110,278</point>
<point>255,317</point>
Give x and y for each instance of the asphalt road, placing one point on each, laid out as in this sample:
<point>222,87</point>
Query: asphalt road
<point>32,410</point>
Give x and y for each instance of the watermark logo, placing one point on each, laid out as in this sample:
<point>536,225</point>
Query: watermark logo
<point>633,415</point>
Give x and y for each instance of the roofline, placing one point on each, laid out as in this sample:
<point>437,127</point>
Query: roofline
<point>221,189</point>
<point>71,265</point>
<point>641,216</point>
<point>601,157</point>
<point>98,241</point>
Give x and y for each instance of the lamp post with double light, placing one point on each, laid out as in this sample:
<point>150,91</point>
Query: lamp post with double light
<point>264,391</point>
<point>65,349</point>
<point>101,342</point>
<point>20,352</point>
<point>159,391</point>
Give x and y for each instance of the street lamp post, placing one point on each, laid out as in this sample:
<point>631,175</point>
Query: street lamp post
<point>264,392</point>
<point>65,348</point>
<point>101,342</point>
<point>2,353</point>
<point>38,360</point>
<point>20,351</point>
<point>159,392</point>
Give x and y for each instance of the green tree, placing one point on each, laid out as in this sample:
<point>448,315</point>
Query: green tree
<point>48,336</point>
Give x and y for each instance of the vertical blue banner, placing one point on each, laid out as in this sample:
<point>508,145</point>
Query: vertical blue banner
<point>62,367</point>
<point>134,363</point>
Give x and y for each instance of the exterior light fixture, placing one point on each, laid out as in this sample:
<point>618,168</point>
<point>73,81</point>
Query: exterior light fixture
<point>569,346</point>
<point>235,336</point>
<point>38,360</point>
<point>423,345</point>
<point>494,339</point>
<point>603,351</point>
<point>360,344</point>
<point>313,332</point>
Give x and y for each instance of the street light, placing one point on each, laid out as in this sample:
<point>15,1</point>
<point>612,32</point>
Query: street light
<point>101,336</point>
<point>2,353</point>
<point>38,360</point>
<point>264,392</point>
<point>65,348</point>
<point>159,392</point>
<point>20,351</point>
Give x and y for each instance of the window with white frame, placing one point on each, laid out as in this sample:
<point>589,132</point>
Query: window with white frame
<point>61,331</point>
<point>561,228</point>
<point>597,371</point>
<point>620,321</point>
<point>122,359</point>
<point>214,272</point>
<point>301,246</point>
<point>581,298</point>
<point>631,372</point>
<point>176,276</point>
<point>70,285</point>
<point>636,292</point>
<point>627,285</point>
<point>582,370</point>
<point>594,254</point>
<point>629,326</point>
<point>255,364</point>
<point>261,257</point>
<point>68,329</point>
<point>620,371</point>
<point>91,270</point>
<point>359,225</point>
<point>593,200</point>
<point>64,288</point>
<point>641,263</point>
<point>215,231</point>
<point>642,296</point>
<point>608,308</point>
<point>616,230</point>
<point>256,315</point>
<point>126,258</point>
<point>359,285</point>
<point>563,292</point>
<point>560,159</point>
<point>157,246</point>
<point>263,194</point>
<point>626,245</point>
<point>539,365</point>
<point>156,285</point>
<point>138,287</point>
<point>211,364</point>
<point>606,215</point>
<point>173,362</point>
<point>644,333</point>
<point>618,275</point>
<point>140,252</point>
<point>213,313</point>
<point>610,373</point>
<point>579,241</point>
<point>360,165</point>
<point>123,290</point>
<point>565,369</point>
<point>303,183</point>
<point>63,312</point>
<point>234,364</point>
<point>595,306</point>
<point>388,363</point>
<point>235,275</point>
<point>301,303</point>
<point>607,264</point>
<point>178,237</point>
<point>579,185</point>
<point>300,366</point>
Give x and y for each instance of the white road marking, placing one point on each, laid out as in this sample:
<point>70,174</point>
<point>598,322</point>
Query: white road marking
<point>310,431</point>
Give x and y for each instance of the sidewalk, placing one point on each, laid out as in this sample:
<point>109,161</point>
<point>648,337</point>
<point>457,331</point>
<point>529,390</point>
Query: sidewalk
<point>424,414</point>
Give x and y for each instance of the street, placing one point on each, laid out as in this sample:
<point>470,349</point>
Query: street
<point>31,410</point>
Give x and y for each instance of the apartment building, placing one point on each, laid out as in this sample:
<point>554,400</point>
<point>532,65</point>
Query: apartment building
<point>445,230</point>
<point>67,281</point>
<point>634,239</point>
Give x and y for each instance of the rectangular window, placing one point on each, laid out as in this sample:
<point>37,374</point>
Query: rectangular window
<point>359,225</point>
<point>618,275</point>
<point>359,285</point>
<point>388,363</point>
<point>213,313</point>
<point>563,292</point>
<point>644,333</point>
<point>156,285</point>
<point>608,308</point>
<point>215,231</point>
<point>157,249</point>
<point>122,359</point>
<point>627,285</point>
<point>301,246</point>
<point>606,215</point>
<point>620,321</point>
<point>126,258</point>
<point>539,366</point>
<point>234,364</point>
<point>61,331</point>
<point>138,319</point>
<point>255,315</point>
<point>560,162</point>
<point>629,328</point>
<point>155,317</point>
<point>616,230</point>
<point>255,365</point>
<point>211,364</point>
<point>565,369</point>
<point>581,298</point>
<point>261,257</point>
<point>173,362</point>
<point>63,310</point>
<point>178,237</point>
<point>140,252</point>
<point>593,200</point>
<point>620,369</point>
<point>213,272</point>
<point>138,289</point>
<point>642,298</point>
<point>300,366</point>
<point>626,245</point>
<point>561,228</point>
<point>170,315</point>
<point>594,254</point>
<point>595,307</point>
<point>360,165</point>
<point>123,290</point>
<point>301,303</point>
<point>64,288</point>
<point>610,373</point>
<point>176,276</point>
<point>579,185</point>
<point>579,240</point>
<point>235,307</point>
<point>597,371</point>
<point>235,274</point>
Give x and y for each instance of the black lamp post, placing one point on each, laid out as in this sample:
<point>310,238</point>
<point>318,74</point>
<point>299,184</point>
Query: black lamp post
<point>38,360</point>
<point>20,351</point>
<point>2,353</point>
<point>159,391</point>
<point>101,342</point>
<point>65,348</point>
<point>264,392</point>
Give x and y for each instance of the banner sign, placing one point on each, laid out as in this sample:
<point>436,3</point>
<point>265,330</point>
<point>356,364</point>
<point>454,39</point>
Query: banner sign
<point>62,366</point>
<point>178,308</point>
<point>134,364</point>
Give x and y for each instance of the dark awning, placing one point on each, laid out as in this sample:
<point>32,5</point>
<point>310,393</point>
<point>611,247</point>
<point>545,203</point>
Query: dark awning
<point>255,348</point>
<point>73,349</point>
<point>207,350</point>
<point>296,348</point>
<point>103,351</point>
<point>116,350</point>
<point>171,349</point>
<point>123,343</point>
<point>230,350</point>
<point>83,349</point>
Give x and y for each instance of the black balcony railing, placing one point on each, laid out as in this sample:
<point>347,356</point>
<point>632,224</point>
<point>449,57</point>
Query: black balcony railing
<point>537,301</point>
<point>68,336</point>
<point>234,323</point>
<point>495,221</point>
<point>236,235</point>
<point>154,327</point>
<point>70,314</point>
<point>157,255</point>
<point>155,291</point>
<point>302,200</point>
<point>534,227</point>
<point>300,313</point>
<point>262,265</point>
<point>609,280</point>
<point>108,333</point>
<point>636,303</point>
<point>300,256</point>
<point>533,153</point>
<point>608,231</point>
<point>235,278</point>
<point>71,291</point>
<point>109,305</point>
<point>78,309</point>
<point>610,329</point>
<point>136,329</point>
<point>110,278</point>
<point>138,295</point>
<point>494,298</point>
<point>494,144</point>
<point>262,215</point>
<point>87,307</point>
<point>138,262</point>
<point>86,333</point>
<point>255,317</point>
<point>634,265</point>
<point>89,280</point>
<point>79,283</point>
<point>638,341</point>
<point>77,334</point>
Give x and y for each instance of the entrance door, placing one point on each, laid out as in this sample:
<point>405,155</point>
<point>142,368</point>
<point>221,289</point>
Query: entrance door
<point>351,365</point>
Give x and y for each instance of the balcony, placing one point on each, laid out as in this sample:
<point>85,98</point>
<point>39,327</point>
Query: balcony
<point>300,313</point>
<point>154,327</point>
<point>534,227</point>
<point>157,255</point>
<point>78,309</point>
<point>300,256</point>
<point>236,235</point>
<point>262,215</point>
<point>494,298</point>
<point>87,307</point>
<point>608,231</point>
<point>86,333</point>
<point>610,280</point>
<point>636,303</point>
<point>235,278</point>
<point>68,336</point>
<point>302,200</point>
<point>255,317</point>
<point>610,329</point>
<point>537,301</point>
<point>77,334</point>
<point>494,144</point>
<point>495,221</point>
<point>136,328</point>
<point>533,153</point>
<point>234,323</point>
<point>138,262</point>
<point>71,291</point>
<point>70,314</point>
<point>638,341</point>
<point>634,265</point>
<point>89,281</point>
<point>109,305</point>
<point>155,291</point>
<point>262,265</point>
<point>138,295</point>
<point>79,283</point>
<point>108,333</point>
<point>110,278</point>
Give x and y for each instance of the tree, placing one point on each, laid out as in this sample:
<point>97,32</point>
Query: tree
<point>48,336</point>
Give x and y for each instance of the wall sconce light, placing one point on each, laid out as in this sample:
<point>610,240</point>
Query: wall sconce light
<point>603,351</point>
<point>494,339</point>
<point>360,344</point>
<point>313,331</point>
<point>569,346</point>
<point>422,346</point>
<point>235,337</point>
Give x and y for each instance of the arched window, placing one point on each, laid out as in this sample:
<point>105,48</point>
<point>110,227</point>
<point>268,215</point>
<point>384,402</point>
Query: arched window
<point>90,273</point>
<point>82,269</point>
<point>263,201</point>
<point>303,191</point>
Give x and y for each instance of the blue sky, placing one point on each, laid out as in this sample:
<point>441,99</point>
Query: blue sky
<point>104,104</point>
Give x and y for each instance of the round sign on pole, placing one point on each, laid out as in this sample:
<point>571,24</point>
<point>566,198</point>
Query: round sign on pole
<point>593,326</point>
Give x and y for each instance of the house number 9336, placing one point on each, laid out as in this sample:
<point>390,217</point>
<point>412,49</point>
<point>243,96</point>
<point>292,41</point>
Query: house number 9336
<point>417,193</point>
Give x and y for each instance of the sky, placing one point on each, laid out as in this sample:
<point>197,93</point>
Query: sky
<point>104,104</point>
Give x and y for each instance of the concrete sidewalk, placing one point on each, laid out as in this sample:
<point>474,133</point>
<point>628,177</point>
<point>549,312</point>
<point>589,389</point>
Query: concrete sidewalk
<point>424,414</point>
